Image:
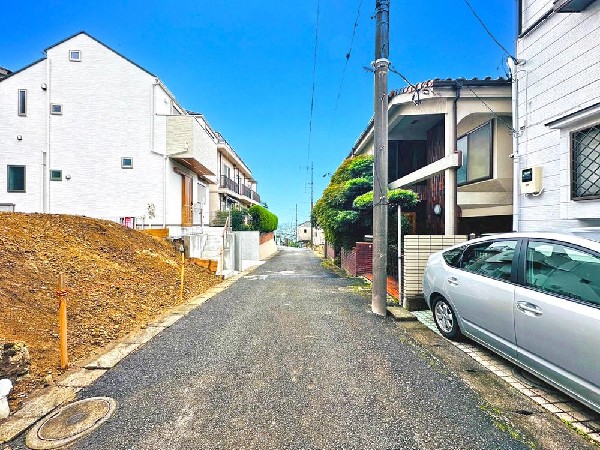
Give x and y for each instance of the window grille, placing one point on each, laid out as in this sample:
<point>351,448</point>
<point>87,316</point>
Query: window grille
<point>585,172</point>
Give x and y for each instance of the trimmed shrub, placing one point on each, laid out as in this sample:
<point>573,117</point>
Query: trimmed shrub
<point>263,220</point>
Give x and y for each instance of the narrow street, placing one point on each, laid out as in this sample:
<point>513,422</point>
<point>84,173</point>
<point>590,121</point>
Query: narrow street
<point>290,357</point>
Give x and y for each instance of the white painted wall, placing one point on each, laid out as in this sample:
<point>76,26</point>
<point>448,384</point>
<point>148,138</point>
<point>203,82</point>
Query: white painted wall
<point>31,128</point>
<point>111,109</point>
<point>560,75</point>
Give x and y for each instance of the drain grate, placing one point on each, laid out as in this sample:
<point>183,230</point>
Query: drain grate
<point>70,423</point>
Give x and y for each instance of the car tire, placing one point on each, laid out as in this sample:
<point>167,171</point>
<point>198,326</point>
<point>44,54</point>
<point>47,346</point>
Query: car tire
<point>445,319</point>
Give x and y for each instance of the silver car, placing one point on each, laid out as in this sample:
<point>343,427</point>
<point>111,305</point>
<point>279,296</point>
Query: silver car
<point>534,298</point>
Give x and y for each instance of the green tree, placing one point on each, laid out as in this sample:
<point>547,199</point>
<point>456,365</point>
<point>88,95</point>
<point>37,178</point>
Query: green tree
<point>345,211</point>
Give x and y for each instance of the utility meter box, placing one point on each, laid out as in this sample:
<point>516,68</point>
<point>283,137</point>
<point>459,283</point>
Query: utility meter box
<point>531,180</point>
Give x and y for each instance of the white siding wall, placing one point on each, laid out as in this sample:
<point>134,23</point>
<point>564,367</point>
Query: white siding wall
<point>32,128</point>
<point>561,75</point>
<point>534,10</point>
<point>107,115</point>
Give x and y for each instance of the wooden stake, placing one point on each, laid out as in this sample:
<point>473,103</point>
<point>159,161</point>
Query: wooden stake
<point>182,274</point>
<point>62,320</point>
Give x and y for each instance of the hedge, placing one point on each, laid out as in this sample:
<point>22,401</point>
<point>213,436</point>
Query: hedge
<point>263,220</point>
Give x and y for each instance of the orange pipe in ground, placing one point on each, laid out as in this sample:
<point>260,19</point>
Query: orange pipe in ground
<point>62,321</point>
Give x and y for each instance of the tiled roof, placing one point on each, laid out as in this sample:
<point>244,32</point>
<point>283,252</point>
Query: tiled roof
<point>435,83</point>
<point>450,82</point>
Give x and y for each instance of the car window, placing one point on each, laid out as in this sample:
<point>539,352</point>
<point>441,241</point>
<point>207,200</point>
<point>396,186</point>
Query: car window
<point>491,259</point>
<point>559,269</point>
<point>452,257</point>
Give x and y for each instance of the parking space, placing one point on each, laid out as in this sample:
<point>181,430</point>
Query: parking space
<point>579,416</point>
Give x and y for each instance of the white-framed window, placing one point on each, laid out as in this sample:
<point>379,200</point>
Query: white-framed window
<point>477,155</point>
<point>75,55</point>
<point>56,109</point>
<point>22,102</point>
<point>15,178</point>
<point>55,175</point>
<point>127,163</point>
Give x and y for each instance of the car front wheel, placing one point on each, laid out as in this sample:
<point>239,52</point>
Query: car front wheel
<point>445,319</point>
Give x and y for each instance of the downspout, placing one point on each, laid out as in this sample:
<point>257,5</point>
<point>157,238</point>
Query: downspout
<point>153,150</point>
<point>512,64</point>
<point>46,153</point>
<point>453,172</point>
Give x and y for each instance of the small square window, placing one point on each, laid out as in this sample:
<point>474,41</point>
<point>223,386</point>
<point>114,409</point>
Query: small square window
<point>56,175</point>
<point>75,55</point>
<point>22,102</point>
<point>16,179</point>
<point>126,163</point>
<point>56,108</point>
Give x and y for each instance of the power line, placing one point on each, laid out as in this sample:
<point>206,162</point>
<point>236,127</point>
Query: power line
<point>337,101</point>
<point>488,31</point>
<point>512,130</point>
<point>417,90</point>
<point>312,97</point>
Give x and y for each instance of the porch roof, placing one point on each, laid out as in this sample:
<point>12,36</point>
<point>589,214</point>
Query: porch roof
<point>445,88</point>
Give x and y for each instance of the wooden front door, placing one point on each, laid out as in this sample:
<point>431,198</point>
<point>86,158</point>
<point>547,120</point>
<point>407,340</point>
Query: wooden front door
<point>186,201</point>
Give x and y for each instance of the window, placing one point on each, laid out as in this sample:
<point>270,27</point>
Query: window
<point>557,269</point>
<point>75,55</point>
<point>491,259</point>
<point>56,175</point>
<point>585,163</point>
<point>452,257</point>
<point>476,148</point>
<point>126,163</point>
<point>16,179</point>
<point>56,109</point>
<point>22,102</point>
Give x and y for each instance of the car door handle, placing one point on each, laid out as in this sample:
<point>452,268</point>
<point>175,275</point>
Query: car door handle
<point>453,281</point>
<point>530,308</point>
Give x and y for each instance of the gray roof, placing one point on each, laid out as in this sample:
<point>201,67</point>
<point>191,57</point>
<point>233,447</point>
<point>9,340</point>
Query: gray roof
<point>10,74</point>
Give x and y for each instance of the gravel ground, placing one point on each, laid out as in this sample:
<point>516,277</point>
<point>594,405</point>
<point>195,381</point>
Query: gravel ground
<point>289,357</point>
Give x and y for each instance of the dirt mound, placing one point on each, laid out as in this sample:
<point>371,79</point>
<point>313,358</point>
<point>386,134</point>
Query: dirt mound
<point>117,280</point>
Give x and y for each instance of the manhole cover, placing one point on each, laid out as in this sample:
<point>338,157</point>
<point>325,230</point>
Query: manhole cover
<point>70,423</point>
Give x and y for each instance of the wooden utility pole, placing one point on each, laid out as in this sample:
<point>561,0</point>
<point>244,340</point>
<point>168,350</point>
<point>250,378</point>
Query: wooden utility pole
<point>380,165</point>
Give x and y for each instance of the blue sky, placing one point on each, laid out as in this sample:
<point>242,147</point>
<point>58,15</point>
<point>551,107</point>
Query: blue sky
<point>248,66</point>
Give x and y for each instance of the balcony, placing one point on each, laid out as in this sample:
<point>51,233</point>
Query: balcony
<point>238,188</point>
<point>191,143</point>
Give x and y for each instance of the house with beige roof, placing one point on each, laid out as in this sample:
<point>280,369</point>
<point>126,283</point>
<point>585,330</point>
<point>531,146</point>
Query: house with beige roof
<point>450,141</point>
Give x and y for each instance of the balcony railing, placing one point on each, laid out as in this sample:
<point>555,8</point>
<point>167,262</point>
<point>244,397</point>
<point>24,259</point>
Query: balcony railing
<point>228,183</point>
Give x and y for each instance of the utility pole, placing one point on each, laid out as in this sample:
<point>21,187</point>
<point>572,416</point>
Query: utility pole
<point>311,205</point>
<point>380,165</point>
<point>296,229</point>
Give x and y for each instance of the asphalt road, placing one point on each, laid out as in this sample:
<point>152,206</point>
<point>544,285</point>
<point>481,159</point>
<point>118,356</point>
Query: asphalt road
<point>289,357</point>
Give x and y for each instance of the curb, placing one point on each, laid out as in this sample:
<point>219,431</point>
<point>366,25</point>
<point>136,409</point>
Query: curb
<point>90,370</point>
<point>400,314</point>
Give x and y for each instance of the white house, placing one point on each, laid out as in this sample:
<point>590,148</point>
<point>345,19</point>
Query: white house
<point>87,131</point>
<point>557,159</point>
<point>303,234</point>
<point>450,141</point>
